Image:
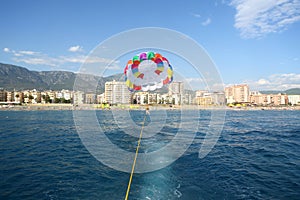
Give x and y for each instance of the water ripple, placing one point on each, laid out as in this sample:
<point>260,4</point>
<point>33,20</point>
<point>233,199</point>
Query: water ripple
<point>256,157</point>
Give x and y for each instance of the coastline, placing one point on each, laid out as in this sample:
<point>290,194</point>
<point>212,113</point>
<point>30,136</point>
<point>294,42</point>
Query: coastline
<point>57,107</point>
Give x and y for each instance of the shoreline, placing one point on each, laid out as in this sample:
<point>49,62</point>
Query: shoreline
<point>42,107</point>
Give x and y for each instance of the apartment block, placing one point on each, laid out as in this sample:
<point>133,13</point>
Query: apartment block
<point>206,98</point>
<point>78,98</point>
<point>176,88</point>
<point>117,92</point>
<point>10,96</point>
<point>269,99</point>
<point>18,97</point>
<point>90,98</point>
<point>3,95</point>
<point>66,94</point>
<point>237,94</point>
<point>100,98</point>
<point>294,99</point>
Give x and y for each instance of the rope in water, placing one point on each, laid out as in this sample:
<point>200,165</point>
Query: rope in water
<point>135,157</point>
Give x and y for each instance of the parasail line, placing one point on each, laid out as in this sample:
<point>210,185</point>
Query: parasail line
<point>135,157</point>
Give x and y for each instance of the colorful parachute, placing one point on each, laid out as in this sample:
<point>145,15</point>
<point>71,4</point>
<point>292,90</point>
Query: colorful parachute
<point>147,71</point>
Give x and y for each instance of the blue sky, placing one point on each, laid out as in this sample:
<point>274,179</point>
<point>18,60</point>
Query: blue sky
<point>251,41</point>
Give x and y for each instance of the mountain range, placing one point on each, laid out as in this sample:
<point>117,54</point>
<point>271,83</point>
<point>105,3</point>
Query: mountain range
<point>14,77</point>
<point>292,91</point>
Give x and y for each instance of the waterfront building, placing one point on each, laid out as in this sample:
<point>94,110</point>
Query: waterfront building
<point>145,98</point>
<point>176,92</point>
<point>27,96</point>
<point>90,98</point>
<point>206,98</point>
<point>218,98</point>
<point>36,96</point>
<point>237,94</point>
<point>152,98</point>
<point>164,99</point>
<point>67,95</point>
<point>63,94</point>
<point>117,92</point>
<point>10,96</point>
<point>141,98</point>
<point>32,96</point>
<point>176,88</point>
<point>203,100</point>
<point>100,98</point>
<point>294,99</point>
<point>187,99</point>
<point>3,95</point>
<point>18,97</point>
<point>52,95</point>
<point>269,99</point>
<point>78,98</point>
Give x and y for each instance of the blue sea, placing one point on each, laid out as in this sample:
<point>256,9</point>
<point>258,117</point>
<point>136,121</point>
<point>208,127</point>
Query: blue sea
<point>256,157</point>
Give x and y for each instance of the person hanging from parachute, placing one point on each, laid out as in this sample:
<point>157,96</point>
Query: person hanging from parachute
<point>146,71</point>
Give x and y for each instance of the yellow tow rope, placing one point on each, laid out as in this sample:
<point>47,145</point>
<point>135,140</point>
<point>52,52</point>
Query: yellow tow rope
<point>135,157</point>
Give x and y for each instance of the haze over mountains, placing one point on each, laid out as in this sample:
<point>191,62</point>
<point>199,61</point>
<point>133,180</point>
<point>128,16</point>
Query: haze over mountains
<point>14,77</point>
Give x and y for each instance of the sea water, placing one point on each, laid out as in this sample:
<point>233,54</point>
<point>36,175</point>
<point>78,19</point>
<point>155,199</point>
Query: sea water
<point>256,157</point>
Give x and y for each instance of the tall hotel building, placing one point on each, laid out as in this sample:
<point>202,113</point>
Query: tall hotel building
<point>237,94</point>
<point>117,92</point>
<point>176,92</point>
<point>176,88</point>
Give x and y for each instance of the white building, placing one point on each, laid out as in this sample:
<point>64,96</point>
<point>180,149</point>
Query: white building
<point>90,98</point>
<point>176,88</point>
<point>218,98</point>
<point>176,92</point>
<point>10,96</point>
<point>66,94</point>
<point>206,98</point>
<point>117,92</point>
<point>294,99</point>
<point>101,98</point>
<point>141,98</point>
<point>78,98</point>
<point>18,97</point>
<point>237,94</point>
<point>36,96</point>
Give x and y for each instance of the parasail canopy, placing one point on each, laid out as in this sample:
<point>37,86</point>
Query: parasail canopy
<point>148,71</point>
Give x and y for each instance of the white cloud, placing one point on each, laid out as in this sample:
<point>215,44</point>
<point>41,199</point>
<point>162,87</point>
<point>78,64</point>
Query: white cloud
<point>76,48</point>
<point>263,82</point>
<point>276,82</point>
<point>37,61</point>
<point>6,50</point>
<point>28,52</point>
<point>206,22</point>
<point>196,15</point>
<point>37,58</point>
<point>256,18</point>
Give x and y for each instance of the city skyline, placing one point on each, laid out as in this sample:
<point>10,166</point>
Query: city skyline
<point>187,84</point>
<point>253,42</point>
<point>116,93</point>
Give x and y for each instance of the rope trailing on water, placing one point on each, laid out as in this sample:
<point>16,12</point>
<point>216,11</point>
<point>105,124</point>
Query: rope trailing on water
<point>135,157</point>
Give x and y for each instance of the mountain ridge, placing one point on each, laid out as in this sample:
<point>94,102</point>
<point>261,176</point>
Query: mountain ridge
<point>13,77</point>
<point>292,91</point>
